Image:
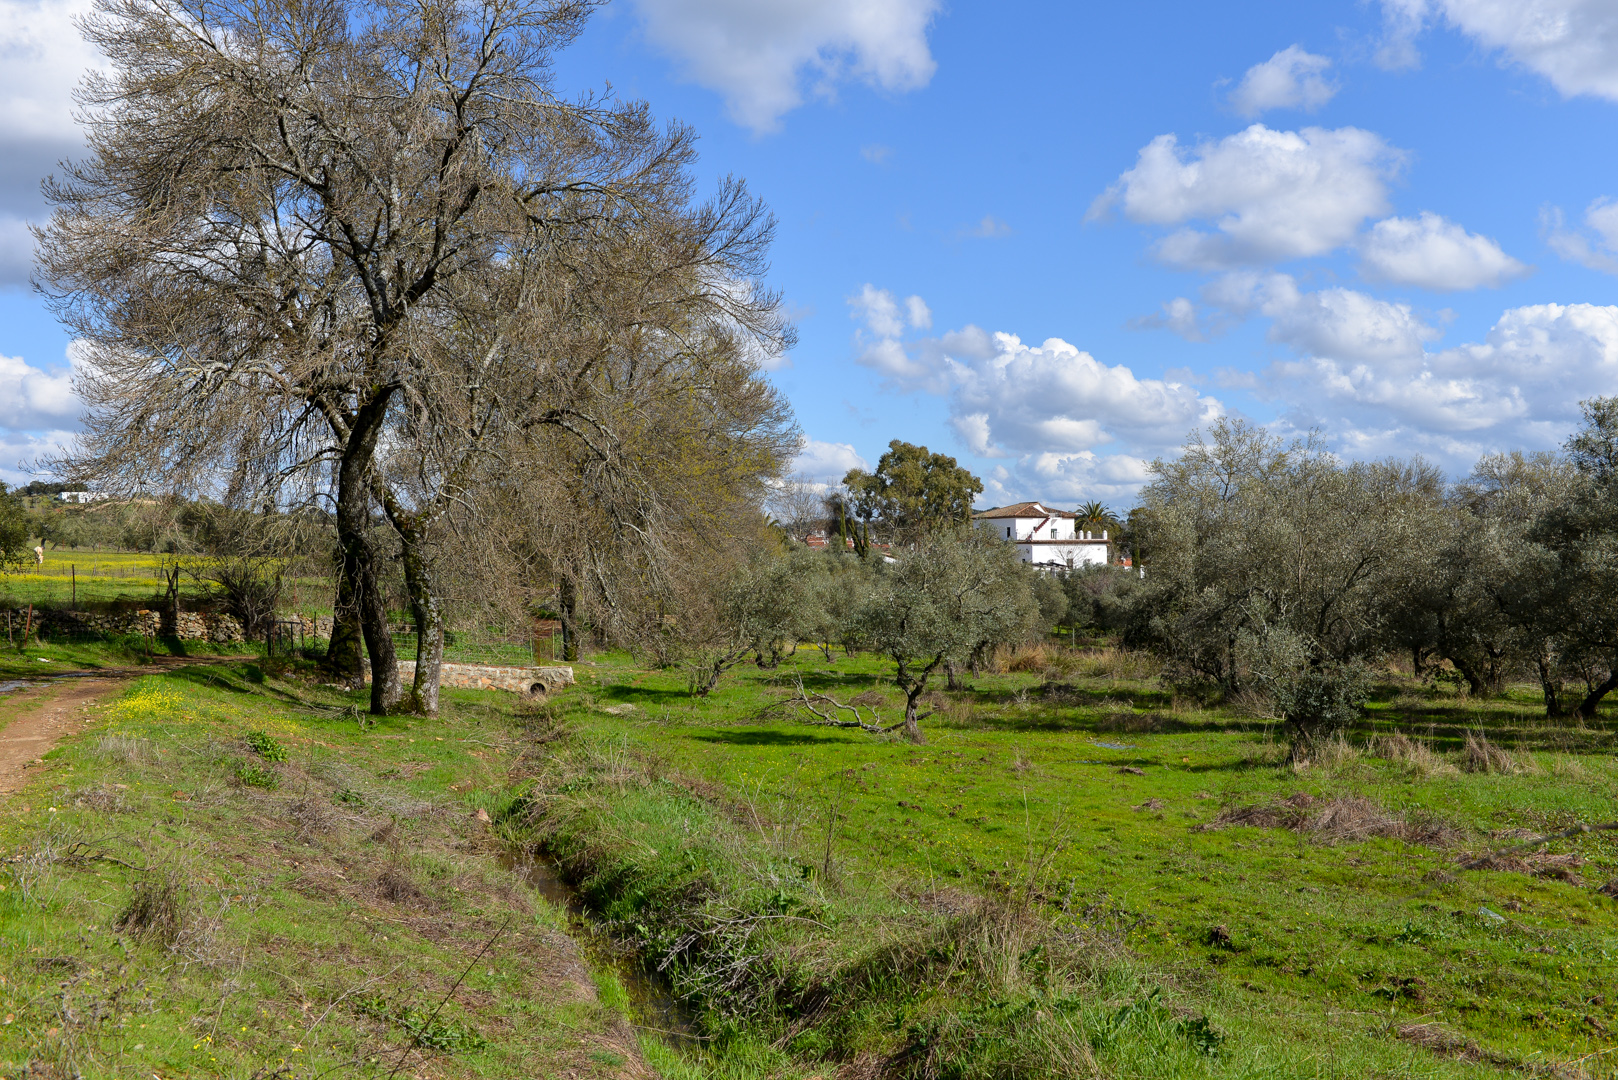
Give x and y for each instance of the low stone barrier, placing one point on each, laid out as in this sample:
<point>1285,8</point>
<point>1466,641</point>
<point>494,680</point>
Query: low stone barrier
<point>189,626</point>
<point>528,681</point>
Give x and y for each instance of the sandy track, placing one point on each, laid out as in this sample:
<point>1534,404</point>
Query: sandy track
<point>56,710</point>
<point>48,713</point>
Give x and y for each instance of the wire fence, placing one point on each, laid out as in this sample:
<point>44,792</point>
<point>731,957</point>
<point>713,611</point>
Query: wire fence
<point>540,643</point>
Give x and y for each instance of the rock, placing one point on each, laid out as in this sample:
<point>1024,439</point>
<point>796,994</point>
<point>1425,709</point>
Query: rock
<point>1132,771</point>
<point>482,815</point>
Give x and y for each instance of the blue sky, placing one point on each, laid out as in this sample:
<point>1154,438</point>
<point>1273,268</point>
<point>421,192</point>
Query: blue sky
<point>1052,238</point>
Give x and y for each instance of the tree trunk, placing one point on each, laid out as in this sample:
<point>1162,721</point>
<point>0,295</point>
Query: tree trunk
<point>359,559</point>
<point>347,645</point>
<point>1551,685</point>
<point>912,724</point>
<point>1587,707</point>
<point>429,615</point>
<point>1474,679</point>
<point>567,604</point>
<point>951,676</point>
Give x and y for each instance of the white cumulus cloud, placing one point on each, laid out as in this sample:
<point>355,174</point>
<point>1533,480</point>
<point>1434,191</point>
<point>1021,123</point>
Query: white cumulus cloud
<point>1054,398</point>
<point>1338,323</point>
<point>1518,388</point>
<point>1270,195</point>
<point>760,54</point>
<point>1047,409</point>
<point>1572,43</point>
<point>1291,79</point>
<point>827,462</point>
<point>42,58</point>
<point>31,399</point>
<point>1597,246</point>
<point>1178,316</point>
<point>1431,252</point>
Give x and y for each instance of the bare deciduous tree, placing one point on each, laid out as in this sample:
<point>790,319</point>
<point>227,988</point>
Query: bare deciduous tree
<point>351,252</point>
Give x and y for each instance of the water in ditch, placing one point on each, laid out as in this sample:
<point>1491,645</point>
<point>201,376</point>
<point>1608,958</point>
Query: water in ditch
<point>652,1006</point>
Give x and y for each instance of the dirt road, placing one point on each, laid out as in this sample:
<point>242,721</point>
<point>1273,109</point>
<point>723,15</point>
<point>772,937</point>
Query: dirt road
<point>41,718</point>
<point>41,715</point>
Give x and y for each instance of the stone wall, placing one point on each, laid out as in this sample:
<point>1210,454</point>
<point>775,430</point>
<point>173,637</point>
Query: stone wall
<point>190,626</point>
<point>528,681</point>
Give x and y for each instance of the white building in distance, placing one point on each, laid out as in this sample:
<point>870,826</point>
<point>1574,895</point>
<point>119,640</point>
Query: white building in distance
<point>1049,539</point>
<point>84,496</point>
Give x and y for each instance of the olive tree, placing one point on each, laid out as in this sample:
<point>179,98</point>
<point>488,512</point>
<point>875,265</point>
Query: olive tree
<point>1271,564</point>
<point>1579,533</point>
<point>14,532</point>
<point>766,607</point>
<point>935,603</point>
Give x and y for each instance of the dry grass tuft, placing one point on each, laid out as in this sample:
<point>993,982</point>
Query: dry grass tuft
<point>956,712</point>
<point>157,909</point>
<point>1415,756</point>
<point>1346,819</point>
<point>1539,864</point>
<point>396,886</point>
<point>124,749</point>
<point>102,799</point>
<point>1440,1041</point>
<point>1023,658</point>
<point>1565,767</point>
<point>1131,723</point>
<point>1336,754</point>
<point>1479,755</point>
<point>869,698</point>
<point>311,816</point>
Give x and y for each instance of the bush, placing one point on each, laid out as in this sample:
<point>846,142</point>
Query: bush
<point>266,747</point>
<point>156,910</point>
<point>250,775</point>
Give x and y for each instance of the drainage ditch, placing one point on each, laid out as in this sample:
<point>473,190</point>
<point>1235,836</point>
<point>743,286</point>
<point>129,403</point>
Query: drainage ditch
<point>652,1004</point>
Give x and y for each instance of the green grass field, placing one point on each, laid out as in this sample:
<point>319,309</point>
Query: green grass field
<point>96,576</point>
<point>1078,879</point>
<point>1309,944</point>
<point>100,575</point>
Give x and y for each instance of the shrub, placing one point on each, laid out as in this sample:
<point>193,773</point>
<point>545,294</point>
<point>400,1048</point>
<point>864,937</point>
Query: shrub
<point>156,910</point>
<point>250,775</point>
<point>266,747</point>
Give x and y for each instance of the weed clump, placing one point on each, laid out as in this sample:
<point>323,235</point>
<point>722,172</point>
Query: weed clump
<point>1479,755</point>
<point>395,885</point>
<point>1346,819</point>
<point>248,774</point>
<point>103,799</point>
<point>426,1030</point>
<point>311,816</point>
<point>266,747</point>
<point>156,910</point>
<point>123,749</point>
<point>1415,757</point>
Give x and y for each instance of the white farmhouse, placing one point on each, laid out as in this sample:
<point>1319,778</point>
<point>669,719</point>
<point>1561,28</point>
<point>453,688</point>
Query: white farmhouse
<point>1049,539</point>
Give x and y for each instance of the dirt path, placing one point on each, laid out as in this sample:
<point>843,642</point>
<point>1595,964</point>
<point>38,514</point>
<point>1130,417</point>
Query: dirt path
<point>43,715</point>
<point>48,715</point>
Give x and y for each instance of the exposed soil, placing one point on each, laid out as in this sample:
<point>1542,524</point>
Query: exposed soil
<point>42,714</point>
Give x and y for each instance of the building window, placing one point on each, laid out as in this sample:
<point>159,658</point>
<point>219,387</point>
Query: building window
<point>1008,532</point>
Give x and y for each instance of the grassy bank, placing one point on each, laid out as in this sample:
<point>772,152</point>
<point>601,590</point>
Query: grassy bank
<point>43,658</point>
<point>1342,920</point>
<point>227,876</point>
<point>1076,876</point>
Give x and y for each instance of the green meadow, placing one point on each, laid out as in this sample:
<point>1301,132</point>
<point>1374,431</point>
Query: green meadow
<point>231,871</point>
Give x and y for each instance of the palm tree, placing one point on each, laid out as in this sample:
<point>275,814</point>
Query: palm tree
<point>1095,516</point>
